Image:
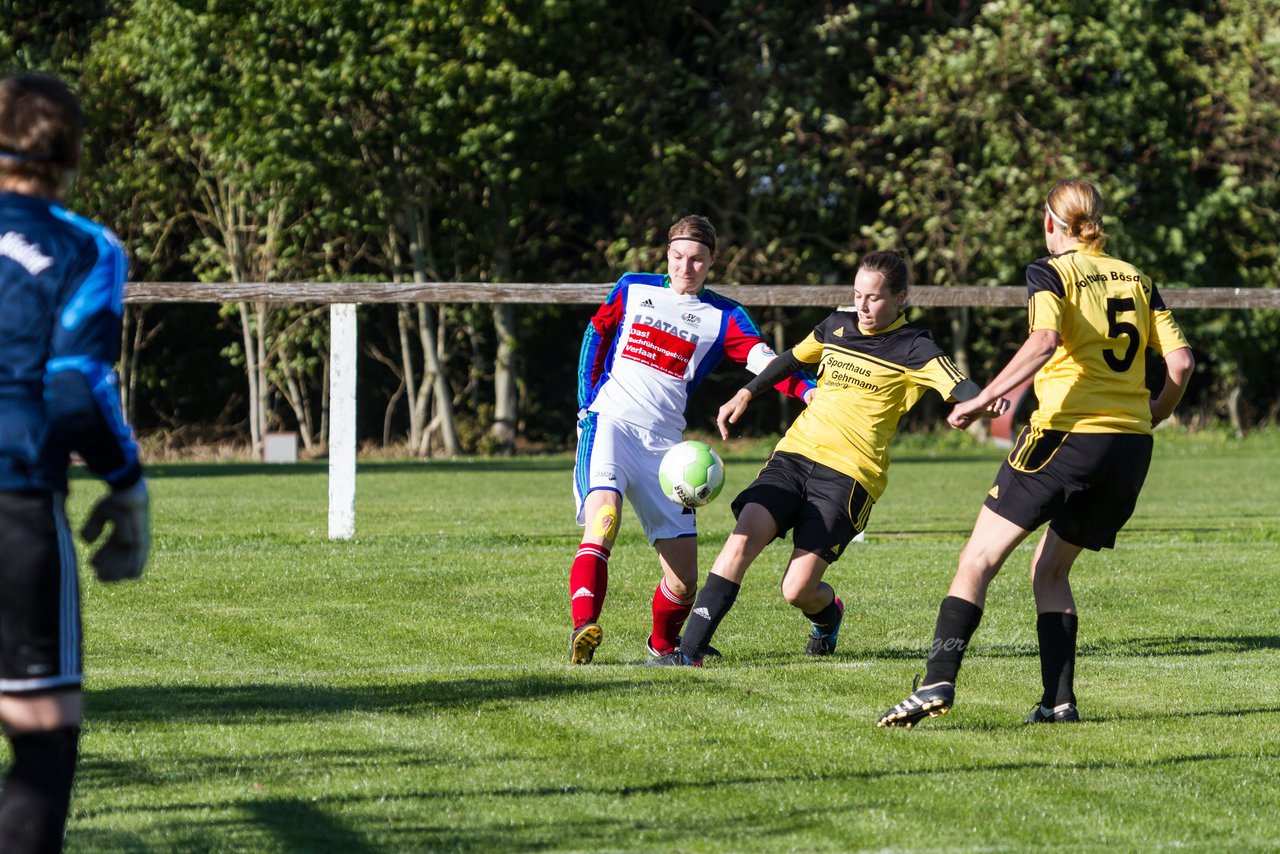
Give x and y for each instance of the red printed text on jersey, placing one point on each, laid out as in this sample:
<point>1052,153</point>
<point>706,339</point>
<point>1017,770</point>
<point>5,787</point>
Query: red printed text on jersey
<point>660,350</point>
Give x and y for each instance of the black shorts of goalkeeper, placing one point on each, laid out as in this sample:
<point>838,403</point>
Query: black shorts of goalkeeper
<point>40,647</point>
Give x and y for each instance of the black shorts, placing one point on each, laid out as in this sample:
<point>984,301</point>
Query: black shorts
<point>39,595</point>
<point>826,509</point>
<point>1085,485</point>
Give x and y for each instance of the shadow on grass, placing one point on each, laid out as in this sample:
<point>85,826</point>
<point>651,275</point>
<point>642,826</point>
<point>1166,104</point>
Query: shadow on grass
<point>567,819</point>
<point>1178,645</point>
<point>304,826</point>
<point>1175,646</point>
<point>263,703</point>
<point>256,772</point>
<point>293,824</point>
<point>1148,715</point>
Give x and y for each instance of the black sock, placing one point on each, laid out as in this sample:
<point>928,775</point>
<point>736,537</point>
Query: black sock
<point>37,791</point>
<point>957,621</point>
<point>1057,633</point>
<point>714,601</point>
<point>825,619</point>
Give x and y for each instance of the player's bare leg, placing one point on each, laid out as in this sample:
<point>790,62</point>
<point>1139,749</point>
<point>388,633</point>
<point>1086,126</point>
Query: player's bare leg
<point>993,539</point>
<point>754,530</point>
<point>44,731</point>
<point>1050,574</point>
<point>21,713</point>
<point>803,587</point>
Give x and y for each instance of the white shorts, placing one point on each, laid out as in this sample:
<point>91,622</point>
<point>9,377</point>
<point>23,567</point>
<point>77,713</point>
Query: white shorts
<point>615,455</point>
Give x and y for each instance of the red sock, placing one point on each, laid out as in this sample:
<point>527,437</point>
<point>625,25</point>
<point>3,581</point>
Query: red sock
<point>588,581</point>
<point>669,613</point>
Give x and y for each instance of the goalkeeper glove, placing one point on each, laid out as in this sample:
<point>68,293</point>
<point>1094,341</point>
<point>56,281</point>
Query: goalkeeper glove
<point>125,551</point>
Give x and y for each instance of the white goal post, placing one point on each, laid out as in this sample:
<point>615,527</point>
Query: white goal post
<point>342,421</point>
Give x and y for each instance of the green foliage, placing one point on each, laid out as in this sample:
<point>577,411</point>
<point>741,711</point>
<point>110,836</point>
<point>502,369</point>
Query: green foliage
<point>489,140</point>
<point>46,37</point>
<point>263,689</point>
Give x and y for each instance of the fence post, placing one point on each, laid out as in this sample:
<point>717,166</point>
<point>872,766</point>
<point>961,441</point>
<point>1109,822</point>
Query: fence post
<point>342,421</point>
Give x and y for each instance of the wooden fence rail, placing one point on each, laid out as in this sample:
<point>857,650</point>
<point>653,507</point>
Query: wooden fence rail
<point>593,294</point>
<point>343,297</point>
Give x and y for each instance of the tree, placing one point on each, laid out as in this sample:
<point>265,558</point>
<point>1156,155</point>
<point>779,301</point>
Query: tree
<point>235,80</point>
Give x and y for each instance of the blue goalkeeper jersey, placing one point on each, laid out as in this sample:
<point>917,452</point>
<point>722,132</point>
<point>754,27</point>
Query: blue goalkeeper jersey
<point>61,300</point>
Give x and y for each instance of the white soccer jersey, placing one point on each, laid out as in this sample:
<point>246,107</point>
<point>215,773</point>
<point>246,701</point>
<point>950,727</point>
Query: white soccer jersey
<point>648,347</point>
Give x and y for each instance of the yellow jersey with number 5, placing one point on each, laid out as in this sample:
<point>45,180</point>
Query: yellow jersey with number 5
<point>1107,313</point>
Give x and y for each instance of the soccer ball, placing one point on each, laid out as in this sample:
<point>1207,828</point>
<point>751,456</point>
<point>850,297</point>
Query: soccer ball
<point>691,473</point>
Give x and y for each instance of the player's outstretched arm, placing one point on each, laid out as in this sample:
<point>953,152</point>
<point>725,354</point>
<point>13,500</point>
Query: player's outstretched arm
<point>1031,356</point>
<point>770,374</point>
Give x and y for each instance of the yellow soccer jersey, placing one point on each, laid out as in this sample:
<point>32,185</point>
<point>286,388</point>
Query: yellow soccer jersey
<point>866,382</point>
<point>1107,314</point>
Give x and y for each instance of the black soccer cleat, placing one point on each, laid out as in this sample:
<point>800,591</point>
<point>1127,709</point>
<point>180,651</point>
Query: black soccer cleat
<point>1064,713</point>
<point>709,652</point>
<point>824,643</point>
<point>583,643</point>
<point>925,702</point>
<point>675,658</point>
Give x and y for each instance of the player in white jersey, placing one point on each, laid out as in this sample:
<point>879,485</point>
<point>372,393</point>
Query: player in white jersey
<point>651,342</point>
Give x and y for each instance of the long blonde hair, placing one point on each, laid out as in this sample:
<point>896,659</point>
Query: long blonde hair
<point>1076,206</point>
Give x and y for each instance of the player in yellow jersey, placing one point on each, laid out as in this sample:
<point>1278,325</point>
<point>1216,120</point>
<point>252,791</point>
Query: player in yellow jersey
<point>1080,463</point>
<point>829,469</point>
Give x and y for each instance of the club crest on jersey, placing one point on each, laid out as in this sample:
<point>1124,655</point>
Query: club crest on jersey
<point>690,317</point>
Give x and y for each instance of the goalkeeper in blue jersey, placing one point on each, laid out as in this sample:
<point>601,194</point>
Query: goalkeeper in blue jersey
<point>61,288</point>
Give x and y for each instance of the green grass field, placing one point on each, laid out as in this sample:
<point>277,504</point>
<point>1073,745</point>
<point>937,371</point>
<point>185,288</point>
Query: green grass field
<point>263,689</point>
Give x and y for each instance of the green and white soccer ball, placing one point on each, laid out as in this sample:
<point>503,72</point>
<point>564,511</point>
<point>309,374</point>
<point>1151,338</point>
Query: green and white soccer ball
<point>691,473</point>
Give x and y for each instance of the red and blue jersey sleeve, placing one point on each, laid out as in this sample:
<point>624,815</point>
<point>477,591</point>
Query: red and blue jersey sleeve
<point>740,335</point>
<point>598,341</point>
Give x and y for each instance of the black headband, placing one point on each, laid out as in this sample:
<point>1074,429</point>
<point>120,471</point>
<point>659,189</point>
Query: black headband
<point>694,239</point>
